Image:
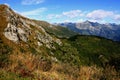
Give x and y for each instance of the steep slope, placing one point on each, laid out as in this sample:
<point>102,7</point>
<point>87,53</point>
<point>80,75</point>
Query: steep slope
<point>37,50</point>
<point>20,29</point>
<point>109,31</point>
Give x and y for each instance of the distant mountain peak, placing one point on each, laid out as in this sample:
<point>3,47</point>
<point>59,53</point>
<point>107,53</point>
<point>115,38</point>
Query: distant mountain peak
<point>109,30</point>
<point>87,21</point>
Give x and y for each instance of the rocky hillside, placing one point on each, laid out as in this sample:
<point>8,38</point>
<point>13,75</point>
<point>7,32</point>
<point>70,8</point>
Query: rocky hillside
<point>20,29</point>
<point>109,31</point>
<point>37,50</point>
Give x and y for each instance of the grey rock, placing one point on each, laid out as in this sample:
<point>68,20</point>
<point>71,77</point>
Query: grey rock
<point>10,33</point>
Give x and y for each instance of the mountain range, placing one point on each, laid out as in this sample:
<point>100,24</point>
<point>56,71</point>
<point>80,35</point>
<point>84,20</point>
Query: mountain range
<point>37,50</point>
<point>108,30</point>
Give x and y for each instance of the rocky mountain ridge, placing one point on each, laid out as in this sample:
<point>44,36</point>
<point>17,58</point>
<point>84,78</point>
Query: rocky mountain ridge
<point>109,31</point>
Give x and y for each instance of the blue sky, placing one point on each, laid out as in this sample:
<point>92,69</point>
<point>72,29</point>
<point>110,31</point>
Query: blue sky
<point>103,11</point>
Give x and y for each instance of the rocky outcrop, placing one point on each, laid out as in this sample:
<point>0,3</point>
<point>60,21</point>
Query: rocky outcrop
<point>47,40</point>
<point>10,32</point>
<point>15,34</point>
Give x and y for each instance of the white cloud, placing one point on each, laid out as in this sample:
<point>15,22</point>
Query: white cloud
<point>51,16</point>
<point>68,14</point>
<point>99,14</point>
<point>34,12</point>
<point>73,13</point>
<point>32,2</point>
<point>103,16</point>
<point>117,17</point>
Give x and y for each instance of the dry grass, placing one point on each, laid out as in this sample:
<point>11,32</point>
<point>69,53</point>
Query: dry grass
<point>109,73</point>
<point>97,73</point>
<point>29,65</point>
<point>90,73</point>
<point>35,67</point>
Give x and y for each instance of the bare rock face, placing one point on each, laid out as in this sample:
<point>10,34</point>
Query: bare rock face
<point>58,41</point>
<point>16,30</point>
<point>45,39</point>
<point>19,29</point>
<point>22,35</point>
<point>10,32</point>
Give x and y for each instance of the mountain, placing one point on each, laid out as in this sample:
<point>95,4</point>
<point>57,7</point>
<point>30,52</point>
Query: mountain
<point>37,50</point>
<point>109,31</point>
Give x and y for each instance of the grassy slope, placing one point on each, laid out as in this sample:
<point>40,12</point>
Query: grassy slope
<point>88,50</point>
